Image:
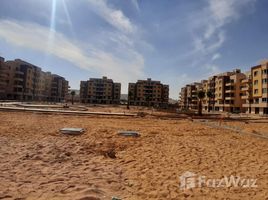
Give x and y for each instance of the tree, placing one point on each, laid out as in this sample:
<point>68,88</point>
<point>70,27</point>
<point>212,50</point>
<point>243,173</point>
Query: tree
<point>201,95</point>
<point>210,95</point>
<point>148,99</point>
<point>130,94</point>
<point>72,94</point>
<point>189,100</point>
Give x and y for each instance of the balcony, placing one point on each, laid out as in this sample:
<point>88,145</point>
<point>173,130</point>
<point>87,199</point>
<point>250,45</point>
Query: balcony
<point>4,70</point>
<point>244,88</point>
<point>219,105</point>
<point>4,75</point>
<point>229,98</point>
<point>19,73</point>
<point>18,79</point>
<point>229,83</point>
<point>227,105</point>
<point>245,81</point>
<point>18,86</point>
<point>3,83</point>
<point>245,97</point>
<point>229,91</point>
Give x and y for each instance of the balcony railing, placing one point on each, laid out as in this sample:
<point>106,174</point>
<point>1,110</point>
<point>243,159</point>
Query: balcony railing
<point>244,88</point>
<point>229,91</point>
<point>245,81</point>
<point>19,72</point>
<point>229,83</point>
<point>229,98</point>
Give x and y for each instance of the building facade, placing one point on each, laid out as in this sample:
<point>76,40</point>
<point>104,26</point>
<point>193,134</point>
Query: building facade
<point>188,96</point>
<point>232,91</point>
<point>228,91</point>
<point>259,84</point>
<point>100,91</point>
<point>4,78</point>
<point>24,81</point>
<point>246,92</point>
<point>148,93</point>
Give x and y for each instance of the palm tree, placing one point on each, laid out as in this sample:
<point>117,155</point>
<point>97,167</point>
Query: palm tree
<point>148,99</point>
<point>130,94</point>
<point>72,94</point>
<point>201,95</point>
<point>189,100</point>
<point>209,95</point>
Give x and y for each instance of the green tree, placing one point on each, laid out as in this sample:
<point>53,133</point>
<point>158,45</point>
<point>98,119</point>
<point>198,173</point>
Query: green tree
<point>148,99</point>
<point>130,94</point>
<point>189,101</point>
<point>201,95</point>
<point>72,94</point>
<point>210,95</point>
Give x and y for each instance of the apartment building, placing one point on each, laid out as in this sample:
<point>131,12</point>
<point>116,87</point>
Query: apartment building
<point>183,98</point>
<point>225,89</point>
<point>188,96</point>
<point>228,91</point>
<point>3,78</point>
<point>100,91</point>
<point>246,92</point>
<point>192,94</point>
<point>209,86</point>
<point>59,88</point>
<point>259,76</point>
<point>25,81</point>
<point>148,92</point>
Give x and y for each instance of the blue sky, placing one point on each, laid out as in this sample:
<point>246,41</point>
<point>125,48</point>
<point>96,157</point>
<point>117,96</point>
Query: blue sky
<point>175,41</point>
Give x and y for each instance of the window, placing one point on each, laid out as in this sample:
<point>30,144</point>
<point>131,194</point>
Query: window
<point>264,90</point>
<point>256,82</point>
<point>264,99</point>
<point>255,73</point>
<point>256,91</point>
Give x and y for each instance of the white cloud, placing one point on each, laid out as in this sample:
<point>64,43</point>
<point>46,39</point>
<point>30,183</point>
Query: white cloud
<point>136,4</point>
<point>216,16</point>
<point>113,16</point>
<point>125,68</point>
<point>216,56</point>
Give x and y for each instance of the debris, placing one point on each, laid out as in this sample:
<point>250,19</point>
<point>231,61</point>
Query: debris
<point>72,131</point>
<point>129,133</point>
<point>116,198</point>
<point>141,114</point>
<point>111,154</point>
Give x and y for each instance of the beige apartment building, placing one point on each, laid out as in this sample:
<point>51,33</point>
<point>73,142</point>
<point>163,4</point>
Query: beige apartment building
<point>100,91</point>
<point>188,96</point>
<point>228,91</point>
<point>233,91</point>
<point>246,92</point>
<point>209,86</point>
<point>183,98</point>
<point>25,81</point>
<point>192,93</point>
<point>259,84</point>
<point>148,92</point>
<point>3,78</point>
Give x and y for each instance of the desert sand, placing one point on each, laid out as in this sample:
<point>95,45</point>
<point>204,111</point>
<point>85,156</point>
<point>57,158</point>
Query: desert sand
<point>38,162</point>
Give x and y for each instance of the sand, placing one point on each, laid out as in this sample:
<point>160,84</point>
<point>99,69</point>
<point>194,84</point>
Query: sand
<point>38,162</point>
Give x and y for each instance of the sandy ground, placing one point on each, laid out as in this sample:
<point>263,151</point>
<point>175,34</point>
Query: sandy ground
<point>38,162</point>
